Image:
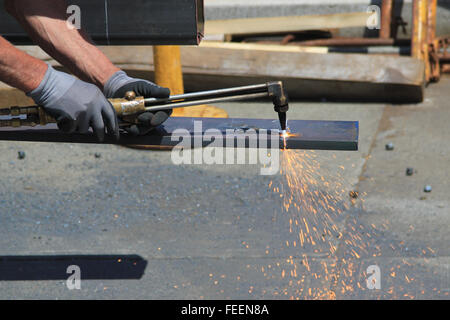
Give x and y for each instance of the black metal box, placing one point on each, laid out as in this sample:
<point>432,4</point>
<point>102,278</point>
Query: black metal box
<point>130,22</point>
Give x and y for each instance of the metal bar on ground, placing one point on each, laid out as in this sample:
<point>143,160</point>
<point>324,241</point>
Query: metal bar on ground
<point>305,134</point>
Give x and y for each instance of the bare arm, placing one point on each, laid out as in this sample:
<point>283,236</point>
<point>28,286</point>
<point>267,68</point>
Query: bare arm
<point>18,69</point>
<point>45,22</point>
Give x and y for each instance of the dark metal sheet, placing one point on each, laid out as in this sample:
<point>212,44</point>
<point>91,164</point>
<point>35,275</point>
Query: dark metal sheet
<point>93,267</point>
<point>132,22</point>
<point>307,134</point>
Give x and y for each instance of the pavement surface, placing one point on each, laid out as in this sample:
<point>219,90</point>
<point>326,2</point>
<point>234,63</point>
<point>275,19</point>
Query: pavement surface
<point>140,227</point>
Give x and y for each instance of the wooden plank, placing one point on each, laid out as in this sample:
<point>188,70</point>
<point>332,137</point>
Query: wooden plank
<point>286,24</point>
<point>315,76</point>
<point>355,77</point>
<point>262,47</point>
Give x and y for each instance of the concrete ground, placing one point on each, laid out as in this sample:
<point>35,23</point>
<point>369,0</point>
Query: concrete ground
<point>143,228</point>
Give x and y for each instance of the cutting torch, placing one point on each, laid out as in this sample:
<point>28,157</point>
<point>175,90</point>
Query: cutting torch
<point>129,107</point>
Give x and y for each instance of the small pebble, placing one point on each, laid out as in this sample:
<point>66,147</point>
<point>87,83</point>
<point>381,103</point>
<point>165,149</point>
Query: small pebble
<point>354,194</point>
<point>390,146</point>
<point>409,171</point>
<point>21,155</point>
<point>427,189</point>
<point>98,155</point>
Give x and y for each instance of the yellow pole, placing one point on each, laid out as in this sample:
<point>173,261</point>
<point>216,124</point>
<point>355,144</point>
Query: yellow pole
<point>169,74</point>
<point>168,71</point>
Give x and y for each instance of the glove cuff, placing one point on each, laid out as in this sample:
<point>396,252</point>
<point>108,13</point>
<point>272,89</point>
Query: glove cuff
<point>117,81</point>
<point>52,87</point>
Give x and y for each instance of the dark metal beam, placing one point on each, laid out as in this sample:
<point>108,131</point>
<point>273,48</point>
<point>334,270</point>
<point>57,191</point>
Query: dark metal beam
<point>132,22</point>
<point>306,134</point>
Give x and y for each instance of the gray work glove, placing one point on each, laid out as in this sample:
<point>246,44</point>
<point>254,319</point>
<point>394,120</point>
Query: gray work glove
<point>120,83</point>
<point>76,105</point>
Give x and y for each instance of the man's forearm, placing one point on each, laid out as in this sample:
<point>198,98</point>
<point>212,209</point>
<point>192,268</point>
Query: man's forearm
<point>45,22</point>
<point>18,69</point>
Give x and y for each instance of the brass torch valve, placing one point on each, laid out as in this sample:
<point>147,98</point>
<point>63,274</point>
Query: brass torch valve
<point>128,108</point>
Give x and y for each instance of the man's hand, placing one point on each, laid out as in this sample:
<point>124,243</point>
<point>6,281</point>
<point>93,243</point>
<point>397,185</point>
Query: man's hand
<point>76,105</point>
<point>120,83</point>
